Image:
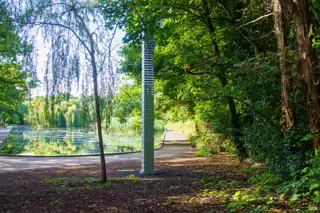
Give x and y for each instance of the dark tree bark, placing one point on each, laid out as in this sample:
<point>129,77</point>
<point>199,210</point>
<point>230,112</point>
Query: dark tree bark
<point>287,120</point>
<point>235,125</point>
<point>234,121</point>
<point>308,66</point>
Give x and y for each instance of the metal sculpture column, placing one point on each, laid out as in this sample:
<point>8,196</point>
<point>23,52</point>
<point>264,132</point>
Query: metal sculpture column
<point>147,106</point>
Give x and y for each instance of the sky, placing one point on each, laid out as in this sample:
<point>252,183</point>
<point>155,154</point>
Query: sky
<point>42,50</point>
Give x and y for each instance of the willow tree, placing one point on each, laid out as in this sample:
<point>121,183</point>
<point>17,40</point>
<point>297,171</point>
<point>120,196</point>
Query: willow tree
<point>79,42</point>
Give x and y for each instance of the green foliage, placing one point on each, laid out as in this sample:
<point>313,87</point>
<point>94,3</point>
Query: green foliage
<point>169,202</point>
<point>210,143</point>
<point>13,90</point>
<point>12,46</point>
<point>13,147</point>
<point>201,85</point>
<point>134,179</point>
<point>270,190</point>
<point>91,179</point>
<point>217,188</point>
<point>57,181</point>
<point>131,177</point>
<point>78,184</point>
<point>217,68</point>
<point>67,112</point>
<point>128,108</point>
<point>285,156</point>
<point>216,183</point>
<point>305,187</point>
<point>198,83</point>
<point>15,78</point>
<point>158,126</point>
<point>128,102</point>
<point>132,125</point>
<point>132,53</point>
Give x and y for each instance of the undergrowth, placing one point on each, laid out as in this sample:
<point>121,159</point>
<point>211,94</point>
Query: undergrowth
<point>270,192</point>
<point>265,191</point>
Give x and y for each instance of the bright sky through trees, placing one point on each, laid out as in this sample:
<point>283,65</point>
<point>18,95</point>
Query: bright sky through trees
<point>42,52</point>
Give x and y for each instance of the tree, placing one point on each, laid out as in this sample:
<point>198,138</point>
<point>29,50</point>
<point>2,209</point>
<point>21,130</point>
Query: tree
<point>14,78</point>
<point>11,48</point>
<point>307,66</point>
<point>202,13</point>
<point>281,31</point>
<point>13,90</point>
<point>220,60</point>
<point>75,31</point>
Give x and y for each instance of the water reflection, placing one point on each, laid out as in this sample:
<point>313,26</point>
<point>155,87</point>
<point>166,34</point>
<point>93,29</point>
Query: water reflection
<point>27,141</point>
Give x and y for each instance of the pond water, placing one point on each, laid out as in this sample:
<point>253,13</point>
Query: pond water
<point>61,142</point>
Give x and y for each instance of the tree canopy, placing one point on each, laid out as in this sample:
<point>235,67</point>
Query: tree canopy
<point>15,79</point>
<point>221,61</point>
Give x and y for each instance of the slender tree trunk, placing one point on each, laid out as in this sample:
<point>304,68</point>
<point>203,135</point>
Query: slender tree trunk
<point>234,121</point>
<point>308,66</point>
<point>287,120</point>
<point>96,96</point>
<point>235,125</point>
<point>98,114</point>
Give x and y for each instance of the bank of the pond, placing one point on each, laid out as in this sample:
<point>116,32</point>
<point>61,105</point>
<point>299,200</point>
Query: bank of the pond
<point>4,132</point>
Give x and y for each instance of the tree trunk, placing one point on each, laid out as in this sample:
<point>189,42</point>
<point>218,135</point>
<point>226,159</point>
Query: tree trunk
<point>98,113</point>
<point>234,121</point>
<point>96,95</point>
<point>287,120</point>
<point>308,69</point>
<point>235,125</point>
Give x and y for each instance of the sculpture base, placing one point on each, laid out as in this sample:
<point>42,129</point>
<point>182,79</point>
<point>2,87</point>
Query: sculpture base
<point>147,172</point>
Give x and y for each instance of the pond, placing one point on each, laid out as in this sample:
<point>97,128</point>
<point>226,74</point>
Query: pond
<point>63,142</point>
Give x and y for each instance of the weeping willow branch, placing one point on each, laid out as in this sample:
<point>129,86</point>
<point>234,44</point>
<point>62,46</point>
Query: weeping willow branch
<point>63,26</point>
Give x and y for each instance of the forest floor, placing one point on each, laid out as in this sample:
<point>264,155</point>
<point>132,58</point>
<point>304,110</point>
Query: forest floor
<point>179,185</point>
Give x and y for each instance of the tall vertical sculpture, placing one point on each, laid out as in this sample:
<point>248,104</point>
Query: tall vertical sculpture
<point>147,106</point>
